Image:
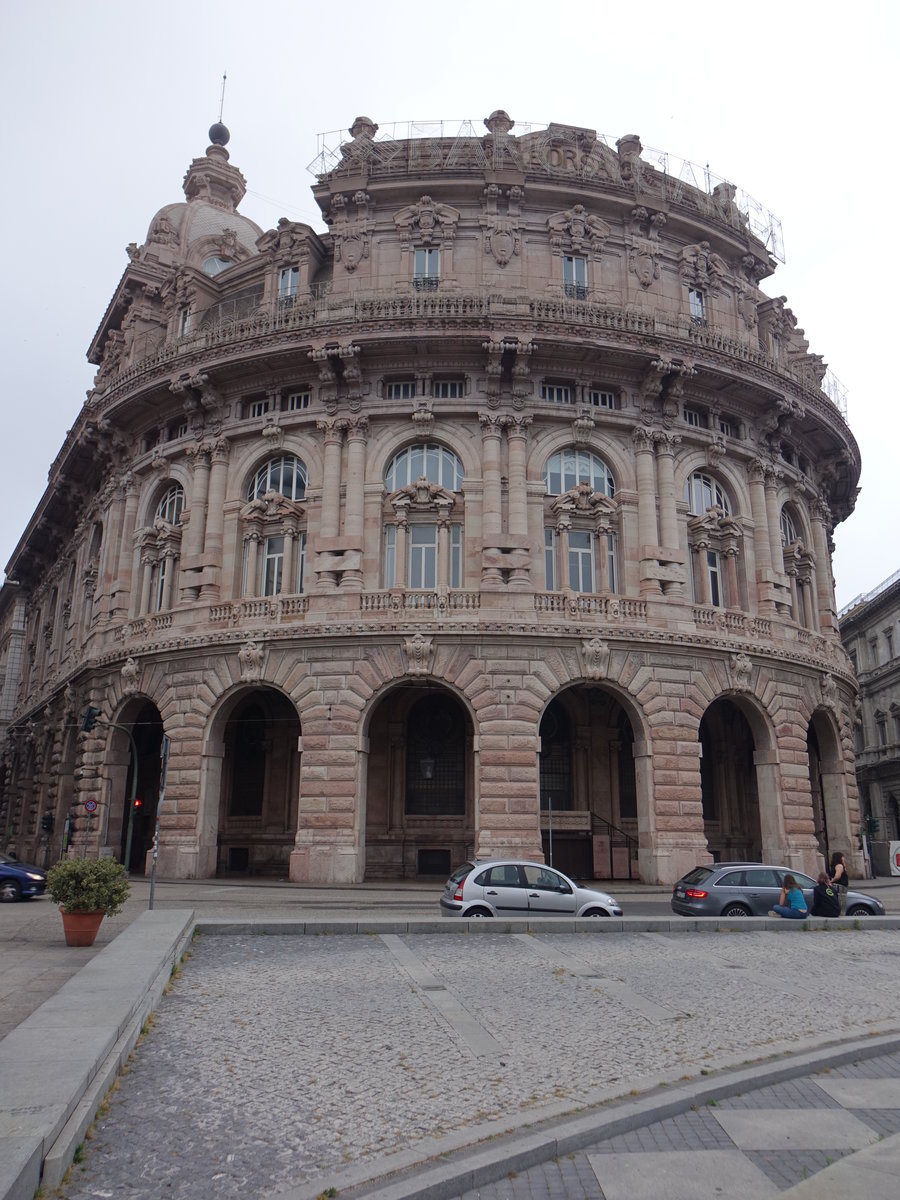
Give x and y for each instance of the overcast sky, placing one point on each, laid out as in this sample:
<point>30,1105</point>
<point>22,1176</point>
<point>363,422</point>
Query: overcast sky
<point>105,103</point>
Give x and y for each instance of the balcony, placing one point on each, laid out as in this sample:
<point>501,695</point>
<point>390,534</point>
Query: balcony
<point>587,604</point>
<point>425,283</point>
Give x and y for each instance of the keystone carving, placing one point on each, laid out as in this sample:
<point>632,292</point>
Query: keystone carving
<point>419,654</point>
<point>577,230</point>
<point>595,657</point>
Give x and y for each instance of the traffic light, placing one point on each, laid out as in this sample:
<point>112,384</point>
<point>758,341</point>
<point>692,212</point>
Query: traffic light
<point>872,826</point>
<point>138,802</point>
<point>47,822</point>
<point>89,720</point>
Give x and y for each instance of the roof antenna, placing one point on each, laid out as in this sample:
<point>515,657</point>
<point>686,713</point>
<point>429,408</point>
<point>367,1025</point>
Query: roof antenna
<point>222,101</point>
<point>218,133</point>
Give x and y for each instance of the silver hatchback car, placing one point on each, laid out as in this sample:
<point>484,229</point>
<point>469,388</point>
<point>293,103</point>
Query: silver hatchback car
<point>513,888</point>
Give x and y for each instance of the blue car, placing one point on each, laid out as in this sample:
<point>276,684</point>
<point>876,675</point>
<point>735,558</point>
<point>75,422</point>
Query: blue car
<point>20,881</point>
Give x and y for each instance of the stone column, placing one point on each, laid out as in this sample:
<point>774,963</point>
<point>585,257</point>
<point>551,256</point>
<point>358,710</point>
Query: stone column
<point>666,444</point>
<point>701,573</point>
<point>252,540</point>
<point>400,553</point>
<point>734,591</point>
<point>168,582</point>
<point>773,520</point>
<point>192,542</point>
<point>821,524</point>
<point>443,571</point>
<point>602,554</point>
<point>517,439</point>
<point>491,519</point>
<point>762,547</point>
<point>562,554</point>
<point>122,590</point>
<point>354,512</point>
<point>796,610</point>
<point>213,542</point>
<point>330,520</point>
<point>147,562</point>
<point>647,529</point>
<point>287,572</point>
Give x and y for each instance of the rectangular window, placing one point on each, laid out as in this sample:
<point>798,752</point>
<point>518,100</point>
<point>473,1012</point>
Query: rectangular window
<point>456,559</point>
<point>178,430</point>
<point>400,390</point>
<point>889,642</point>
<point>390,556</point>
<point>427,268</point>
<point>694,417</point>
<point>882,731</point>
<point>184,322</point>
<point>423,554</point>
<point>698,306</point>
<point>550,559</point>
<point>601,399</point>
<point>288,282</point>
<point>448,389</point>
<point>257,408</point>
<point>725,427</point>
<point>273,566</point>
<point>581,561</point>
<point>558,393</point>
<point>296,401</point>
<point>575,276</point>
<point>715,580</point>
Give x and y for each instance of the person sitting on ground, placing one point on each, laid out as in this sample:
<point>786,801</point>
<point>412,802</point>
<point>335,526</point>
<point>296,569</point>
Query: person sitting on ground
<point>791,903</point>
<point>825,899</point>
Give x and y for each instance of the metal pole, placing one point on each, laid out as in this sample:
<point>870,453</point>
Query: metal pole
<point>550,823</point>
<point>163,771</point>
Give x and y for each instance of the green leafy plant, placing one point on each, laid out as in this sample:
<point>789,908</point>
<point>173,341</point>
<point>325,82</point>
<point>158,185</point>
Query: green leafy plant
<point>83,885</point>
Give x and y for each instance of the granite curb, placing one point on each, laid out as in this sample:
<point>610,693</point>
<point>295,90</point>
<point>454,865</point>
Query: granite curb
<point>445,1168</point>
<point>66,1055</point>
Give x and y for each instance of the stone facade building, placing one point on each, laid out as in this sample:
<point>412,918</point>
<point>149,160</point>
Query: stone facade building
<point>499,512</point>
<point>870,629</point>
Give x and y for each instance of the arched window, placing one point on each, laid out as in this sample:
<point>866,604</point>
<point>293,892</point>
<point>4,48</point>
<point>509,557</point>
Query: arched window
<point>171,505</point>
<point>580,541</point>
<point>702,492</point>
<point>286,475</point>
<point>423,543</point>
<point>567,468</point>
<point>788,528</point>
<point>424,461</point>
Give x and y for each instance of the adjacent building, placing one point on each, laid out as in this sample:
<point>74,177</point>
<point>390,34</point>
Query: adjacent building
<point>870,628</point>
<point>495,513</point>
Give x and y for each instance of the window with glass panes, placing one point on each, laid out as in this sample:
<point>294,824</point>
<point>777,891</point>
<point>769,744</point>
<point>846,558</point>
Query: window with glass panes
<point>581,560</point>
<point>697,302</point>
<point>426,267</point>
<point>286,475</point>
<point>428,461</point>
<point>575,276</point>
<point>288,282</point>
<point>702,492</point>
<point>567,468</point>
<point>170,506</point>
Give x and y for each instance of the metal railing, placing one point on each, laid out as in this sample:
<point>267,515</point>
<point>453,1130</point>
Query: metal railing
<point>618,840</point>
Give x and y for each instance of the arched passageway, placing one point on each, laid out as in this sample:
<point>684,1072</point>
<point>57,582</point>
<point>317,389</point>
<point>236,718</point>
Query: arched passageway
<point>420,785</point>
<point>589,806</point>
<point>132,846</point>
<point>827,786</point>
<point>728,784</point>
<point>259,785</point>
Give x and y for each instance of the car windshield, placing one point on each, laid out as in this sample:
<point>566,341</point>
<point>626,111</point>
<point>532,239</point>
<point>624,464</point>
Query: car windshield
<point>4,858</point>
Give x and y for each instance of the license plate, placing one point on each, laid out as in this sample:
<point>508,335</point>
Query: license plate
<point>679,892</point>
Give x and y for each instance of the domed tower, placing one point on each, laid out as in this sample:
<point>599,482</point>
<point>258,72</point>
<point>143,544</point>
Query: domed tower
<point>502,508</point>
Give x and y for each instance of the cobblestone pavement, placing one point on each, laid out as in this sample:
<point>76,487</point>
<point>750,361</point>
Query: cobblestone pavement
<point>279,1060</point>
<point>826,1116</point>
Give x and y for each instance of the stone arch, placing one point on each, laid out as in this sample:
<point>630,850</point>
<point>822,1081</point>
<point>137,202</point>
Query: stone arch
<point>828,783</point>
<point>387,443</point>
<point>420,781</point>
<point>250,784</point>
<point>551,441</point>
<point>156,486</point>
<point>607,818</point>
<point>132,771</point>
<point>246,460</point>
<point>734,482</point>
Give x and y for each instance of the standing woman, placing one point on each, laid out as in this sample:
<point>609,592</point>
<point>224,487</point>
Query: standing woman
<point>840,880</point>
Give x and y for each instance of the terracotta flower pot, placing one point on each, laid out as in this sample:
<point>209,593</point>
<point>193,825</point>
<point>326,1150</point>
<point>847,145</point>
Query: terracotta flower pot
<point>81,928</point>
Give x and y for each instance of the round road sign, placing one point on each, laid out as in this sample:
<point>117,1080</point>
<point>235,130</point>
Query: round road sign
<point>90,806</point>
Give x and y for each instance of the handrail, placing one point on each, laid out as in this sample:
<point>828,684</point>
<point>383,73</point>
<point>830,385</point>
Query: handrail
<point>629,842</point>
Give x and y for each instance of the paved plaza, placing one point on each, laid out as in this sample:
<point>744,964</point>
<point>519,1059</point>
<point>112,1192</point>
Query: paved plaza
<point>276,1062</point>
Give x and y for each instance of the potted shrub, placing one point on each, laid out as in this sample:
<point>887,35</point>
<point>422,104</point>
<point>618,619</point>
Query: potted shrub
<point>86,890</point>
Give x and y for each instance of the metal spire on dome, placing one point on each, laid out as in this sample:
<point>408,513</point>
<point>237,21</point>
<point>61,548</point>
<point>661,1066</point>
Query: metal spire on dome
<point>219,134</point>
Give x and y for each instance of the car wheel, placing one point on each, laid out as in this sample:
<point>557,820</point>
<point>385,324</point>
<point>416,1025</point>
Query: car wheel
<point>595,912</point>
<point>479,912</point>
<point>736,910</point>
<point>859,910</point>
<point>9,890</point>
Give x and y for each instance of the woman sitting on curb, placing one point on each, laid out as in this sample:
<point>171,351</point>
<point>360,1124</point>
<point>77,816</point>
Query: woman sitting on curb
<point>791,902</point>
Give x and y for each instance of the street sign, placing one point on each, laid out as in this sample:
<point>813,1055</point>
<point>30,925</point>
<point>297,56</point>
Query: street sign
<point>90,806</point>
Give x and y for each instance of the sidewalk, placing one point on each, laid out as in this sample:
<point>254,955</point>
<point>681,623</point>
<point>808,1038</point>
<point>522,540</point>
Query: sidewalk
<point>121,979</point>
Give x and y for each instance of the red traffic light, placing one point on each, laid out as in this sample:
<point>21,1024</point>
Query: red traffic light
<point>138,803</point>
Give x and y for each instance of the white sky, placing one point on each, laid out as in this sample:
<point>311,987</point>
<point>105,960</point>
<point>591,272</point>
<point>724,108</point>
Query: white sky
<point>105,103</point>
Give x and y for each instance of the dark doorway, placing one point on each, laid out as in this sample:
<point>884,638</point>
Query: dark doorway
<point>728,784</point>
<point>147,733</point>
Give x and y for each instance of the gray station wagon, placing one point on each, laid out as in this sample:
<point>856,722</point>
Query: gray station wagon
<point>742,889</point>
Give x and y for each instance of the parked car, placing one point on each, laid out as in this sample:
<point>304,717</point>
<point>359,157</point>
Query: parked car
<point>20,881</point>
<point>510,888</point>
<point>744,889</point>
